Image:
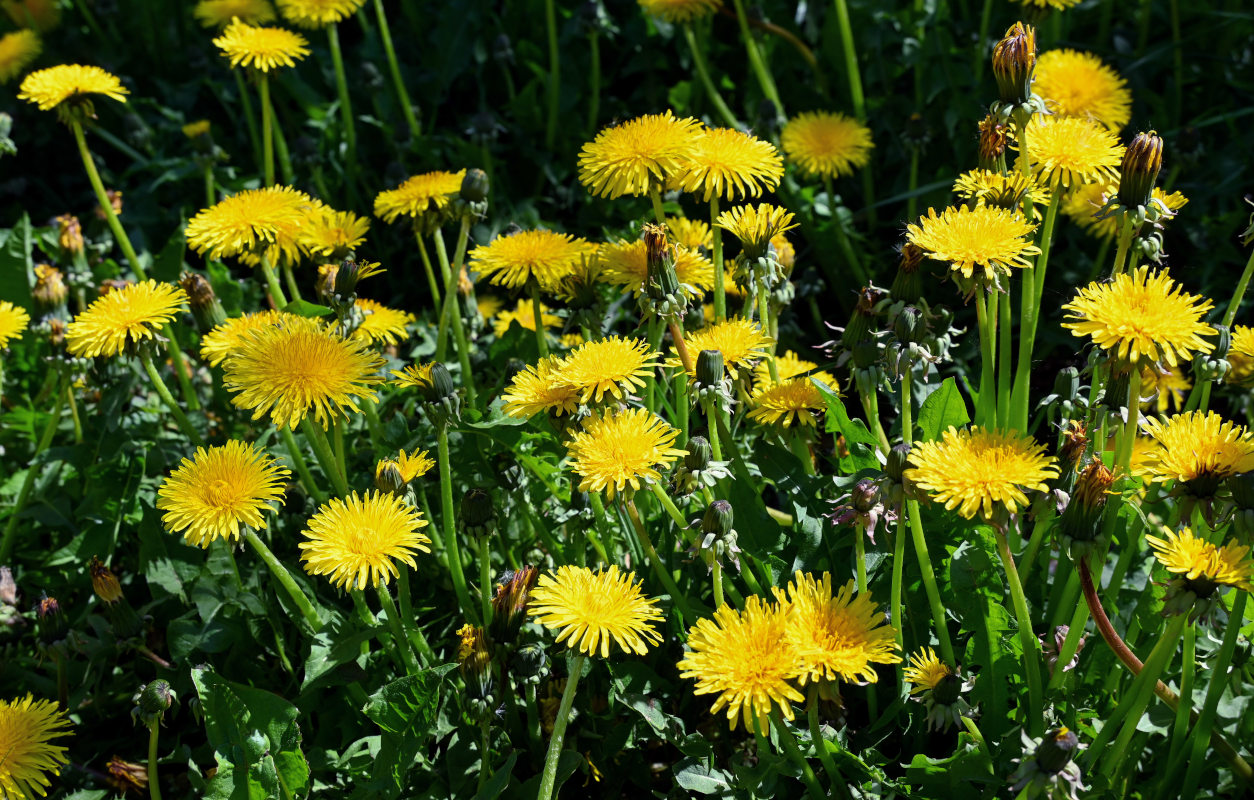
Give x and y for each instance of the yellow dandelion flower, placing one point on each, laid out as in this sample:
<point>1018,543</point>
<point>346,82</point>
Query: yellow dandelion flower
<point>1199,449</point>
<point>1083,202</point>
<point>1141,316</point>
<point>318,13</point>
<point>414,466</point>
<point>123,317</point>
<point>691,234</point>
<point>645,151</point>
<point>220,13</point>
<point>544,256</point>
<point>294,367</point>
<point>193,130</point>
<point>382,325</point>
<point>541,387</point>
<point>49,88</point>
<point>1163,388</point>
<point>418,195</point>
<point>1069,151</point>
<point>1196,558</point>
<point>252,221</point>
<point>614,451</point>
<point>826,143</point>
<point>979,471</point>
<point>220,489</point>
<point>626,264</point>
<point>985,187</point>
<point>17,50</point>
<point>571,340</point>
<point>785,253</point>
<point>1059,5</point>
<point>748,660</point>
<point>27,755</point>
<point>741,341</point>
<point>591,609</point>
<point>220,343</point>
<point>1241,354</point>
<point>992,239</point>
<point>614,366</point>
<point>836,637</point>
<point>415,376</point>
<point>262,49</point>
<point>329,233</point>
<point>727,163</point>
<point>525,315</point>
<point>13,321</point>
<point>787,366</point>
<point>680,11</point>
<point>756,226</point>
<point>488,305</point>
<point>926,671</point>
<point>1076,84</point>
<point>782,404</point>
<point>354,541</point>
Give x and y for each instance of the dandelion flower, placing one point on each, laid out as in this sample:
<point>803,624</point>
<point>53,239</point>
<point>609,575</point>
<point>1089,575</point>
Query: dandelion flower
<point>1199,449</point>
<point>826,143</point>
<point>836,637</point>
<point>1241,354</point>
<point>1069,151</point>
<point>1059,5</point>
<point>748,659</point>
<point>1082,204</point>
<point>382,325</point>
<point>591,609</point>
<point>680,11</point>
<point>626,264</point>
<point>253,220</point>
<point>691,234</point>
<point>978,471</point>
<point>788,365</point>
<point>614,451</point>
<point>613,365</point>
<point>789,402</point>
<point>318,13</point>
<point>194,130</point>
<point>525,315</point>
<point>541,387</point>
<point>544,256</point>
<point>27,728</point>
<point>220,13</point>
<point>756,226</point>
<point>741,341</point>
<point>354,541</point>
<point>925,671</point>
<point>939,687</point>
<point>329,233</point>
<point>262,49</point>
<point>1195,558</point>
<point>218,490</point>
<point>49,88</point>
<point>1141,316</point>
<point>1163,388</point>
<point>123,317</point>
<point>727,163</point>
<point>415,376</point>
<point>13,320</point>
<point>218,344</point>
<point>642,152</point>
<point>17,50</point>
<point>430,191</point>
<point>296,366</point>
<point>1076,84</point>
<point>992,239</point>
<point>1004,191</point>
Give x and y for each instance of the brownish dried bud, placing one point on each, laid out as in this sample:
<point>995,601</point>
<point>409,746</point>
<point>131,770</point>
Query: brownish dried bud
<point>656,244</point>
<point>1139,172</point>
<point>1014,61</point>
<point>993,138</point>
<point>325,284</point>
<point>50,290</point>
<point>70,234</point>
<point>115,201</point>
<point>126,777</point>
<point>204,303</point>
<point>1092,487</point>
<point>1075,440</point>
<point>103,582</point>
<point>509,606</point>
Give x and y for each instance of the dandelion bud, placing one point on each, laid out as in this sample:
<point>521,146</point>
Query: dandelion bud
<point>948,690</point>
<point>509,605</point>
<point>440,384</point>
<point>1056,750</point>
<point>70,234</point>
<point>204,303</point>
<point>114,196</point>
<point>152,701</point>
<point>859,328</point>
<point>709,367</point>
<point>50,621</point>
<point>388,477</point>
<point>898,461</point>
<point>1080,525</point>
<point>909,327</point>
<point>1014,61</point>
<point>126,776</point>
<point>474,660</point>
<point>1141,163</point>
<point>7,148</point>
<point>530,662</point>
<point>346,277</point>
<point>992,148</point>
<point>718,518</point>
<point>478,517</point>
<point>699,453</point>
<point>1075,442</point>
<point>717,534</point>
<point>907,285</point>
<point>103,582</point>
<point>1067,383</point>
<point>1049,769</point>
<point>475,186</point>
<point>50,291</point>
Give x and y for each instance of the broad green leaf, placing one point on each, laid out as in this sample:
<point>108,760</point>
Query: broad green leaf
<point>698,776</point>
<point>499,780</point>
<point>406,710</point>
<point>943,408</point>
<point>859,441</point>
<point>15,264</point>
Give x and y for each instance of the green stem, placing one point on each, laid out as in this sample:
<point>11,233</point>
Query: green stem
<point>986,414</point>
<point>337,440</point>
<point>1127,435</point>
<point>1029,317</point>
<point>842,238</point>
<point>267,127</point>
<point>555,74</point>
<point>549,780</point>
<point>211,192</point>
<point>594,80</point>
<point>542,340</point>
<point>859,555</point>
<point>789,743</point>
<point>1027,639</point>
<point>899,543</point>
<point>28,482</point>
<point>341,87</point>
<point>765,80</point>
<point>402,94</point>
<point>485,578</point>
<point>73,404</point>
<point>154,788</point>
<point>102,197</point>
<point>1188,666</point>
<point>669,505</point>
<point>373,425</point>
<point>456,570</point>
<point>272,282</point>
<point>432,283</point>
<point>1202,730</point>
<point>459,331</point>
<point>1235,303</point>
<point>322,450</point>
<point>285,579</point>
<point>145,358</point>
<point>301,466</point>
<point>929,581</point>
<point>659,569</point>
<point>655,197</point>
<point>289,277</point>
<point>720,291</point>
<point>717,577</point>
<point>250,119</point>
<point>399,640</point>
<point>1125,241</point>
<point>703,74</point>
<point>820,744</point>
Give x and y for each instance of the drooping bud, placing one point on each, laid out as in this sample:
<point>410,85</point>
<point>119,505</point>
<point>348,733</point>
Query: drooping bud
<point>203,302</point>
<point>50,291</point>
<point>152,701</point>
<point>103,582</point>
<point>474,659</point>
<point>1056,750</point>
<point>1014,62</point>
<point>530,662</point>
<point>509,605</point>
<point>478,513</point>
<point>475,186</point>
<point>1139,172</point>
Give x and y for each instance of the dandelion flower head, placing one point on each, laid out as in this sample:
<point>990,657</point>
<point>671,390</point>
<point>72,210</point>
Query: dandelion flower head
<point>1198,448</point>
<point>614,365</point>
<point>318,13</point>
<point>592,609</point>
<point>219,13</point>
<point>221,489</point>
<point>990,239</point>
<point>541,387</point>
<point>17,50</point>
<point>727,163</point>
<point>826,143</point>
<point>218,344</point>
<point>250,222</point>
<point>524,313</point>
<point>261,48</point>
<point>123,317</point>
<point>27,754</point>
<point>741,342</point>
<point>789,402</point>
<point>418,195</point>
<point>49,88</point>
<point>640,153</point>
<point>354,541</point>
<point>926,671</point>
<point>626,449</point>
<point>680,11</point>
<point>626,264</point>
<point>1196,558</point>
<point>1076,84</point>
<point>1069,151</point>
<point>13,321</point>
<point>546,257</point>
<point>980,471</point>
<point>837,637</point>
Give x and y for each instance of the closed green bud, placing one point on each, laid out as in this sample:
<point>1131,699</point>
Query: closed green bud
<point>530,662</point>
<point>719,518</point>
<point>1056,750</point>
<point>475,186</point>
<point>478,517</point>
<point>709,367</point>
<point>152,701</point>
<point>203,302</point>
<point>699,453</point>
<point>440,387</point>
<point>898,461</point>
<point>1067,383</point>
<point>909,327</point>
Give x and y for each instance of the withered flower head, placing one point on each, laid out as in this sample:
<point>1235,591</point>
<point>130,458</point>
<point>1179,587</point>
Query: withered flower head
<point>103,582</point>
<point>509,605</point>
<point>70,234</point>
<point>994,136</point>
<point>1014,61</point>
<point>1075,441</point>
<point>50,291</point>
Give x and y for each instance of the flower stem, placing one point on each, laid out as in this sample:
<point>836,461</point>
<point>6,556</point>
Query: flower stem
<point>272,282</point>
<point>986,413</point>
<point>820,744</point>
<point>659,569</point>
<point>250,119</point>
<point>703,74</point>
<point>855,95</point>
<point>432,283</point>
<point>346,105</point>
<point>555,73</point>
<point>549,781</point>
<point>154,788</point>
<point>450,287</point>
<point>145,358</point>
<point>842,238</point>
<point>285,579</point>
<point>717,575</point>
<point>1127,435</point>
<point>485,578</point>
<point>765,80</point>
<point>542,341</point>
<point>267,127</point>
<point>455,567</point>
<point>789,743</point>
<point>1029,316</point>
<point>594,80</point>
<point>399,640</point>
<point>720,291</point>
<point>1027,639</point>
<point>655,197</point>
<point>402,94</point>
<point>1125,241</point>
<point>1235,303</point>
<point>102,197</point>
<point>28,482</point>
<point>322,449</point>
<point>929,581</point>
<point>289,277</point>
<point>301,466</point>
<point>1188,665</point>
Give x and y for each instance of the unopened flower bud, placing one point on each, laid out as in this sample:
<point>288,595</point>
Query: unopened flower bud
<point>1014,61</point>
<point>898,461</point>
<point>909,327</point>
<point>718,519</point>
<point>1080,525</point>
<point>509,605</point>
<point>70,234</point>
<point>103,582</point>
<point>50,291</point>
<point>1141,163</point>
<point>699,453</point>
<point>709,367</point>
<point>388,477</point>
<point>203,302</point>
<point>50,621</point>
<point>530,662</point>
<point>1056,749</point>
<point>152,701</point>
<point>440,386</point>
<point>478,513</point>
<point>865,495</point>
<point>907,285</point>
<point>475,186</point>
<point>1075,442</point>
